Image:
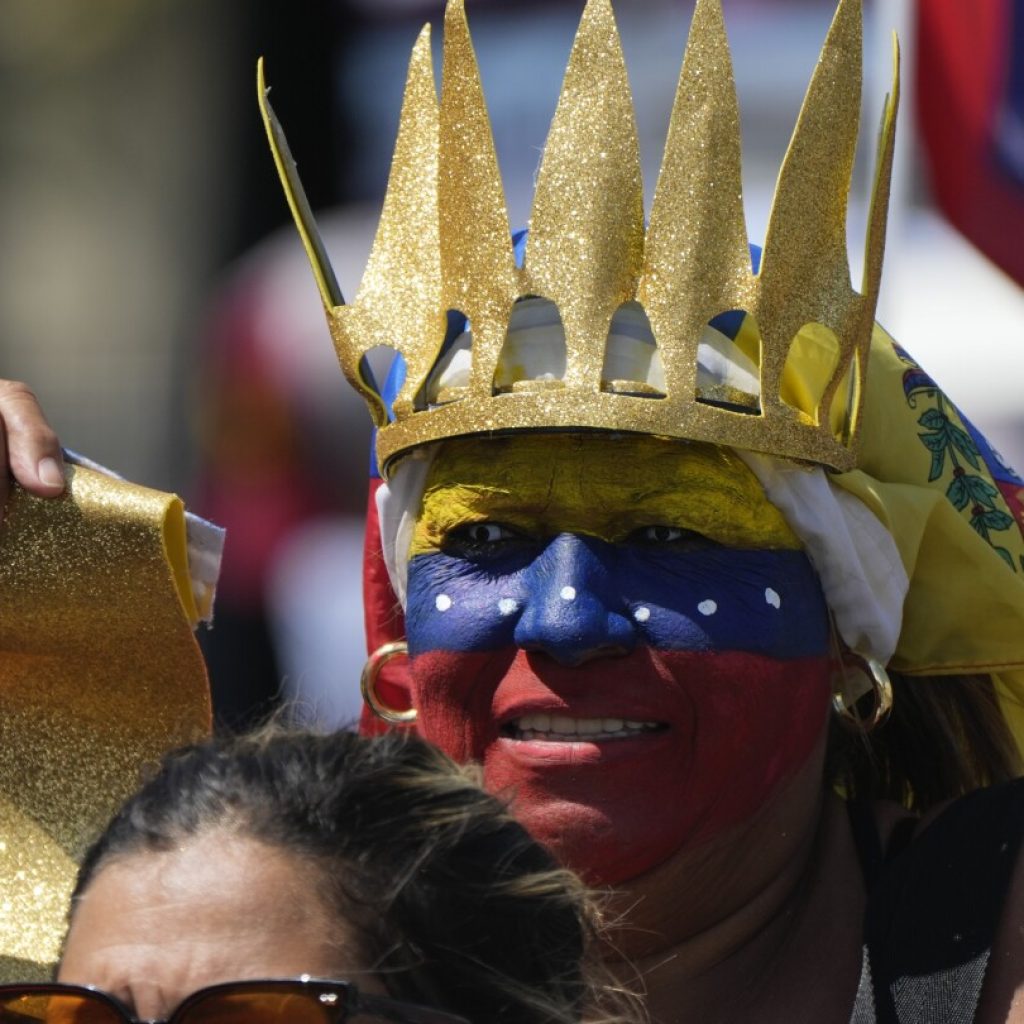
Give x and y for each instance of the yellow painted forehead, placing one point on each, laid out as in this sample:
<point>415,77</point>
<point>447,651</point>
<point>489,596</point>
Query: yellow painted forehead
<point>603,485</point>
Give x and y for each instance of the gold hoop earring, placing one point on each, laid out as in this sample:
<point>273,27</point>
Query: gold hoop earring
<point>881,688</point>
<point>368,684</point>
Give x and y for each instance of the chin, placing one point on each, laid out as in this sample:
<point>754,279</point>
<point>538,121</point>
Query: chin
<point>604,849</point>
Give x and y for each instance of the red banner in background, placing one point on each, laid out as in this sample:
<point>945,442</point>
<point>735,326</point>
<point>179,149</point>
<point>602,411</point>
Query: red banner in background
<point>970,96</point>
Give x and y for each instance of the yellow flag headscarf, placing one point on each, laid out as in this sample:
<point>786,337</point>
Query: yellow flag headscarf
<point>953,508</point>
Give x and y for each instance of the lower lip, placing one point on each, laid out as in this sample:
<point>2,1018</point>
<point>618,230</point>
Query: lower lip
<point>570,753</point>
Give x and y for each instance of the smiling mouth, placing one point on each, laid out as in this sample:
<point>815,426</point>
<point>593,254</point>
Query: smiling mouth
<point>563,729</point>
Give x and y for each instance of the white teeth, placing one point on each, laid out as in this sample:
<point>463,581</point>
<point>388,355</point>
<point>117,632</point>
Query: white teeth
<point>555,727</point>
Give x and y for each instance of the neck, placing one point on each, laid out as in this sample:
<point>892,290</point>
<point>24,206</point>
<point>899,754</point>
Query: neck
<point>734,930</point>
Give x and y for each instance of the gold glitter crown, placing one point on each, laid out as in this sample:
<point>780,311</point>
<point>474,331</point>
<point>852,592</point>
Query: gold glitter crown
<point>444,244</point>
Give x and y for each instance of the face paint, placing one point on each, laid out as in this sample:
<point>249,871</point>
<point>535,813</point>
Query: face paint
<point>609,486</point>
<point>623,631</point>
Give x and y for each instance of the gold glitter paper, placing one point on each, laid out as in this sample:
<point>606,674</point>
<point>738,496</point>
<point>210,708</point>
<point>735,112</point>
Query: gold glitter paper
<point>399,301</point>
<point>805,272</point>
<point>587,226</point>
<point>697,237</point>
<point>99,675</point>
<point>478,266</point>
<point>441,246</point>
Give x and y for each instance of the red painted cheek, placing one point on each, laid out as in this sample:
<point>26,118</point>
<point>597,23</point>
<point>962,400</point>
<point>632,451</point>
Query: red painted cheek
<point>739,725</point>
<point>452,693</point>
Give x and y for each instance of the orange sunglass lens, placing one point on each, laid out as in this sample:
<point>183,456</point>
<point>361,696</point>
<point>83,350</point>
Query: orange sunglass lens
<point>62,1008</point>
<point>287,1006</point>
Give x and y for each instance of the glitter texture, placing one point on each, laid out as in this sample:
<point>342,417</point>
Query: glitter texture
<point>99,674</point>
<point>697,259</point>
<point>443,244</point>
<point>479,273</point>
<point>587,226</point>
<point>399,301</point>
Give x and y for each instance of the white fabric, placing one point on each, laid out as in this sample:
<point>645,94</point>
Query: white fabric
<point>719,361</point>
<point>398,504</point>
<point>630,353</point>
<point>860,569</point>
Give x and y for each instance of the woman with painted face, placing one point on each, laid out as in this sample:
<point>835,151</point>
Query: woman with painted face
<point>675,531</point>
<point>290,877</point>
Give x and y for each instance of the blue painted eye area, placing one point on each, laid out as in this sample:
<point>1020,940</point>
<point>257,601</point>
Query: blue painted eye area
<point>670,588</point>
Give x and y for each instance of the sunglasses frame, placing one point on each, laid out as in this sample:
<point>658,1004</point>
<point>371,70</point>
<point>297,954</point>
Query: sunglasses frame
<point>352,1000</point>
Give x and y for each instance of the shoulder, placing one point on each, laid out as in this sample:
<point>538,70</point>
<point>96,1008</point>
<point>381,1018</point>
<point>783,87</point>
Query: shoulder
<point>963,858</point>
<point>951,905</point>
<point>1003,996</point>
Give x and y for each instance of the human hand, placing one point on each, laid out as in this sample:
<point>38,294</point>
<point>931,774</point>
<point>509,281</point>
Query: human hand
<point>29,449</point>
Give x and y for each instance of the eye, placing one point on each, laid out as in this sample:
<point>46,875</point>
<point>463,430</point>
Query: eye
<point>479,540</point>
<point>483,533</point>
<point>659,534</point>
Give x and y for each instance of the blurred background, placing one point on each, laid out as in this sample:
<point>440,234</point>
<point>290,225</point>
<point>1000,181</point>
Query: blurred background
<point>172,329</point>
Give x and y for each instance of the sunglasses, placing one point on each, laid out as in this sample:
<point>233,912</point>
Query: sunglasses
<point>302,1000</point>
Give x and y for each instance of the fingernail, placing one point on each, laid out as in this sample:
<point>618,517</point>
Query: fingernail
<point>50,473</point>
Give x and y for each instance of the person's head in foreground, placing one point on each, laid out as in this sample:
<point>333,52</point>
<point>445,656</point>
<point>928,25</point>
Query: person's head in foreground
<point>376,864</point>
<point>658,512</point>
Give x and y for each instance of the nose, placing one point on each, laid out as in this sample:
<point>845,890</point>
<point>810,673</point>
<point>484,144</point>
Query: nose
<point>573,611</point>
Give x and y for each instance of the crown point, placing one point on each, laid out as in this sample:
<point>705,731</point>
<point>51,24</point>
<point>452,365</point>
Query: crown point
<point>875,242</point>
<point>305,222</point>
<point>585,248</point>
<point>479,276</point>
<point>809,239</point>
<point>696,249</point>
<point>404,265</point>
<point>454,10</point>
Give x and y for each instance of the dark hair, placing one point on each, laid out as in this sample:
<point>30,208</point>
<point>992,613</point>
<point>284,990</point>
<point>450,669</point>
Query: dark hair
<point>454,904</point>
<point>946,736</point>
